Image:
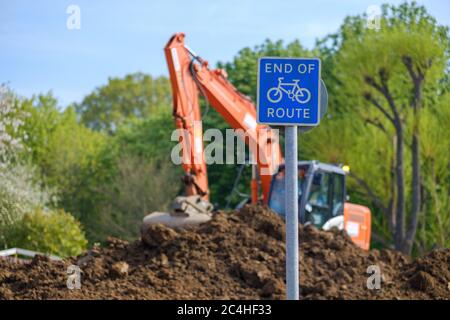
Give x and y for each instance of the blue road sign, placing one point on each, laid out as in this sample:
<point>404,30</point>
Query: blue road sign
<point>288,91</point>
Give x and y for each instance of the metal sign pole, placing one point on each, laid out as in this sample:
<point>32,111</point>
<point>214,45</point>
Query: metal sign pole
<point>291,201</point>
<point>290,94</point>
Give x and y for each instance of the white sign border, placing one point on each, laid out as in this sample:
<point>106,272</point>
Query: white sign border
<point>288,123</point>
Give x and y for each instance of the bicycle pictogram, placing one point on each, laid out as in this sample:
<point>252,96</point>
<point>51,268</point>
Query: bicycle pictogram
<point>296,93</point>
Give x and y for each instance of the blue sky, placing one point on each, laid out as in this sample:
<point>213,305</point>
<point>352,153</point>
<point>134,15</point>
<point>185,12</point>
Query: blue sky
<point>38,53</point>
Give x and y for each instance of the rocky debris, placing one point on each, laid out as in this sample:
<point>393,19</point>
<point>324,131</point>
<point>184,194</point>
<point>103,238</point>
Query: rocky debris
<point>120,269</point>
<point>422,281</point>
<point>431,274</point>
<point>273,288</point>
<point>158,235</point>
<point>236,255</point>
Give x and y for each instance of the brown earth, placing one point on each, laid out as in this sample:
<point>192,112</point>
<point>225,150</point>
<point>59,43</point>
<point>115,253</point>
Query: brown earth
<point>237,255</point>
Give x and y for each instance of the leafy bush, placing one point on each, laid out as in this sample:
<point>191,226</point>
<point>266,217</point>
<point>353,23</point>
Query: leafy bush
<point>52,232</point>
<point>19,194</point>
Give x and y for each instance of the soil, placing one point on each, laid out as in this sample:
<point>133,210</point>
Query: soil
<point>238,255</point>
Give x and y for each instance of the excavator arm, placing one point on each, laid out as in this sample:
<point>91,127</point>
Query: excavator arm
<point>190,75</point>
<point>186,112</point>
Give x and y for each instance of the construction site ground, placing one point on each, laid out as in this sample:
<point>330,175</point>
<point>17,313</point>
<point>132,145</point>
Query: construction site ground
<point>237,255</point>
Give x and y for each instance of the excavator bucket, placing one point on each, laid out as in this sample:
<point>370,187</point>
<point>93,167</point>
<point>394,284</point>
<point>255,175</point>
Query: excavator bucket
<point>186,211</point>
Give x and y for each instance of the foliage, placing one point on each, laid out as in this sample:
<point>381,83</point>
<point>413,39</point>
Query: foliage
<point>84,165</point>
<point>20,188</point>
<point>65,153</point>
<point>381,80</point>
<point>356,133</point>
<point>145,144</point>
<point>148,137</point>
<point>136,159</point>
<point>134,96</point>
<point>107,158</point>
<point>60,146</point>
<point>19,195</point>
<point>11,119</point>
<point>140,187</point>
<point>434,224</point>
<point>53,232</point>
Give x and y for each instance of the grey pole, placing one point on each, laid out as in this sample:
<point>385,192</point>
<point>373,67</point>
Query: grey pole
<point>292,266</point>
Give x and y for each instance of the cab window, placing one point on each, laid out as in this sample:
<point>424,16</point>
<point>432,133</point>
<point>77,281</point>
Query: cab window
<point>277,193</point>
<point>338,195</point>
<point>318,205</point>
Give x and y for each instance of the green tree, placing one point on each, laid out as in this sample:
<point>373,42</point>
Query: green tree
<point>59,144</point>
<point>134,96</point>
<point>388,77</point>
<point>66,155</point>
<point>26,218</point>
<point>434,223</point>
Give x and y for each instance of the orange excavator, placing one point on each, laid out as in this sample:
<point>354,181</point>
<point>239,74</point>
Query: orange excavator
<point>321,195</point>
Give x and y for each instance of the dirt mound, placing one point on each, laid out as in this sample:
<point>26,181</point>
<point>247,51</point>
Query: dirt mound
<point>430,274</point>
<point>237,255</point>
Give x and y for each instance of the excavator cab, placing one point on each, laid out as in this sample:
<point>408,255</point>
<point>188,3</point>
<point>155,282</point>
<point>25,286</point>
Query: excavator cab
<point>322,200</point>
<point>321,192</point>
